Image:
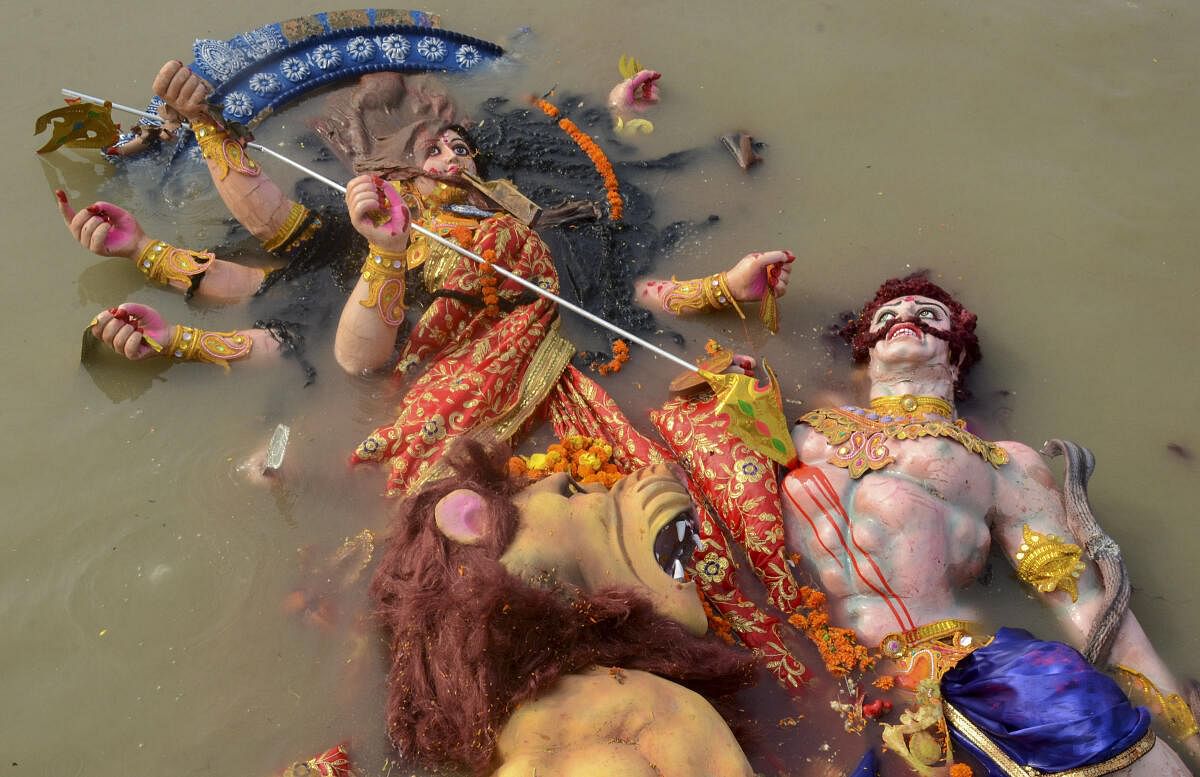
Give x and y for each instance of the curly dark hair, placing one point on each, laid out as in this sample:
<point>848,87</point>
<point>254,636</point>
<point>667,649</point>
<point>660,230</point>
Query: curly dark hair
<point>963,342</point>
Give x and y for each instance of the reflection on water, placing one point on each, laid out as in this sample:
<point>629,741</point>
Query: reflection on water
<point>1035,157</point>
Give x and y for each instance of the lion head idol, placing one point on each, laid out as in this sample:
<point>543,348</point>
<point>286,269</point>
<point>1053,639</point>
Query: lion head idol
<point>539,630</point>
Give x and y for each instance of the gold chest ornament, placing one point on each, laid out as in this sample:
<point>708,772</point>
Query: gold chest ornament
<point>860,436</point>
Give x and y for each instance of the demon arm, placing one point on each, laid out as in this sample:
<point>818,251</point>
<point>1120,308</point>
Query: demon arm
<point>1031,525</point>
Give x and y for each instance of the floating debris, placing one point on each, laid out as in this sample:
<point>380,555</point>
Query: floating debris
<point>743,147</point>
<point>276,449</point>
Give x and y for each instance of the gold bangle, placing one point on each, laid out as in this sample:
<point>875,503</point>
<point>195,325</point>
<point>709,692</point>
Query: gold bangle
<point>287,230</point>
<point>700,294</point>
<point>223,151</point>
<point>163,263</point>
<point>189,343</point>
<point>383,272</point>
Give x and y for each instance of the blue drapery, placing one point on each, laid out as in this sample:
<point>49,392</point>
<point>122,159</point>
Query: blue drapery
<point>1043,704</point>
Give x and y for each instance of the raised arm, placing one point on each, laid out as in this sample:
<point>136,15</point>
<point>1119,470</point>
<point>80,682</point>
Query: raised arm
<point>366,333</point>
<point>251,196</point>
<point>109,230</point>
<point>1027,496</point>
<point>746,281</point>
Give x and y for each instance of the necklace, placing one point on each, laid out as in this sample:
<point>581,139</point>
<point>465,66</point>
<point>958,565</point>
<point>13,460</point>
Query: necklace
<point>911,405</point>
<point>860,437</point>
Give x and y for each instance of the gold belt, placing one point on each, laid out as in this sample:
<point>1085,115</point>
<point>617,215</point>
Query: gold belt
<point>977,737</point>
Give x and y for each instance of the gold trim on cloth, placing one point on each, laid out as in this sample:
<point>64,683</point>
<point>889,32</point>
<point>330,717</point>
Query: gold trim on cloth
<point>1005,763</point>
<point>545,367</point>
<point>944,643</point>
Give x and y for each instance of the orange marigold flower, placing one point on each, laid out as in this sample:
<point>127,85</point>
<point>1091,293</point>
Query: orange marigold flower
<point>961,770</point>
<point>885,682</point>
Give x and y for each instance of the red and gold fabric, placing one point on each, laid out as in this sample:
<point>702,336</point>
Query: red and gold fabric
<point>482,370</point>
<point>334,762</point>
<point>741,485</point>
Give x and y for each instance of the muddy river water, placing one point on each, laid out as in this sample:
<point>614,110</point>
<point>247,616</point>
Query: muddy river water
<point>1039,158</point>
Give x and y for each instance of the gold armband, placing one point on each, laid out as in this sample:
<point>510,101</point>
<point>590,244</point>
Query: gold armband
<point>383,271</point>
<point>228,154</point>
<point>1178,715</point>
<point>190,344</point>
<point>1048,563</point>
<point>701,294</point>
<point>288,229</point>
<point>163,263</point>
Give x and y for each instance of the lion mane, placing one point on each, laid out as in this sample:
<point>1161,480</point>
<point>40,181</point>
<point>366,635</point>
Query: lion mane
<point>469,642</point>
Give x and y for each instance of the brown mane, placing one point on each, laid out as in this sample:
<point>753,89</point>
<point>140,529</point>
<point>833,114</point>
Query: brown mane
<point>469,641</point>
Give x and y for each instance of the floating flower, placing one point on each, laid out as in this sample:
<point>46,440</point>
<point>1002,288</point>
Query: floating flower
<point>265,83</point>
<point>395,47</point>
<point>326,56</point>
<point>603,166</point>
<point>712,568</point>
<point>433,49</point>
<point>360,49</point>
<point>294,69</point>
<point>239,105</point>
<point>468,56</point>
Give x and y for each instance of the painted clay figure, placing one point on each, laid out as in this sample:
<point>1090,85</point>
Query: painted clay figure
<point>893,508</point>
<point>520,625</point>
<point>492,352</point>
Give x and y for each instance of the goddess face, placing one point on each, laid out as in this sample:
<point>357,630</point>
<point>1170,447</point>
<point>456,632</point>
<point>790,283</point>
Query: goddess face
<point>908,330</point>
<point>634,537</point>
<point>446,156</point>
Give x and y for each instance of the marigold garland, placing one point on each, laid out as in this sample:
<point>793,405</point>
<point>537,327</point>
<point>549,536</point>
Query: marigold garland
<point>616,205</point>
<point>712,347</point>
<point>620,356</point>
<point>587,459</point>
<point>838,646</point>
<point>721,627</point>
<point>961,770</point>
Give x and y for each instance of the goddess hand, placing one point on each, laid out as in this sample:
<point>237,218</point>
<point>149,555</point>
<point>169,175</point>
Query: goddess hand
<point>124,329</point>
<point>748,279</point>
<point>638,93</point>
<point>103,228</point>
<point>378,212</point>
<point>183,90</point>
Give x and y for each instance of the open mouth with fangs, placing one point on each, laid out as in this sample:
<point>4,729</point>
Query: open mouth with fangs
<point>904,330</point>
<point>675,543</point>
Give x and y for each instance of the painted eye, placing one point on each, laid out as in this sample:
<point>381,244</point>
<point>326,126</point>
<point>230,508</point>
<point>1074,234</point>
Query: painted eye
<point>928,313</point>
<point>461,149</point>
<point>886,316</point>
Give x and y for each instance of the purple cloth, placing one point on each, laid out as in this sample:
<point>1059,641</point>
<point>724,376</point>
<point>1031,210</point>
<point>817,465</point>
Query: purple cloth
<point>1043,704</point>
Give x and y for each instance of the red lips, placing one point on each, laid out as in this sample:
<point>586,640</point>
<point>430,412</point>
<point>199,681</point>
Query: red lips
<point>905,326</point>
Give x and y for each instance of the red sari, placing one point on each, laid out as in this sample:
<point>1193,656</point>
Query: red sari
<point>489,376</point>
